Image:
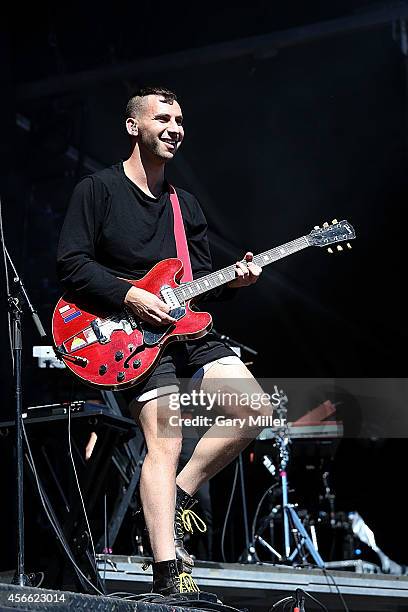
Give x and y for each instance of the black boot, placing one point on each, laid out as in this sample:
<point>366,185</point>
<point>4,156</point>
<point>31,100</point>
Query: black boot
<point>169,579</point>
<point>184,519</point>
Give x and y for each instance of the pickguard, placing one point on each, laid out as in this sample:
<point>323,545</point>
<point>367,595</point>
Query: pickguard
<point>152,335</point>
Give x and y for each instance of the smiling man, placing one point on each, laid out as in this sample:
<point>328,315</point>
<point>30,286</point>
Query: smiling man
<point>118,225</point>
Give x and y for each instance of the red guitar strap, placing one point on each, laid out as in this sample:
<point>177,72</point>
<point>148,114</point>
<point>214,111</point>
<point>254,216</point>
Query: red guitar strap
<point>180,236</point>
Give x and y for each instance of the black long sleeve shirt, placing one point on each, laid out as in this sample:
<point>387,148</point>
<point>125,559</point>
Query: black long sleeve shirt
<point>113,229</point>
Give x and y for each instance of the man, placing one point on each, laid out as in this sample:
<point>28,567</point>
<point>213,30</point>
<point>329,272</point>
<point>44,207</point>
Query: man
<point>118,225</point>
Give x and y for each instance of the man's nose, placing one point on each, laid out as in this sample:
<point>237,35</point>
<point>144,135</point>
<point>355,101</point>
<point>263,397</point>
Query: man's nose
<point>175,129</point>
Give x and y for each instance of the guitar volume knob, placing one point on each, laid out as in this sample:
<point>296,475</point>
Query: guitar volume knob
<point>103,368</point>
<point>120,377</point>
<point>137,363</point>
<point>119,355</point>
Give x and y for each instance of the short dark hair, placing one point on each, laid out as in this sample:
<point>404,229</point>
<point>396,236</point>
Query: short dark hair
<point>134,104</point>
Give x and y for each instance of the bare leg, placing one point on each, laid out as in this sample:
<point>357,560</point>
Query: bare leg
<point>158,476</point>
<point>214,451</point>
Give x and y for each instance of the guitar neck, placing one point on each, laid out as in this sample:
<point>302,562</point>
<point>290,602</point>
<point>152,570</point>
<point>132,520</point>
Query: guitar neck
<point>192,289</point>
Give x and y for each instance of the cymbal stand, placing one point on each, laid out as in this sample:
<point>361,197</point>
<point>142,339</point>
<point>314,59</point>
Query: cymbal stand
<point>291,521</point>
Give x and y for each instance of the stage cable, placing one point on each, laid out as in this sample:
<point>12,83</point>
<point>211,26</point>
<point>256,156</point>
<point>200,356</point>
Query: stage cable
<point>55,527</point>
<point>316,601</point>
<point>105,539</point>
<point>258,508</point>
<point>234,484</point>
<point>324,570</point>
<point>343,601</point>
<point>297,601</point>
<point>94,560</point>
<point>78,485</point>
<point>176,601</point>
<point>329,575</point>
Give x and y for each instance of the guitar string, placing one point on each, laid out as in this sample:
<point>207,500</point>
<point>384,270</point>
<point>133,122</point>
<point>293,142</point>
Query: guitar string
<point>220,277</point>
<point>215,279</point>
<point>227,274</point>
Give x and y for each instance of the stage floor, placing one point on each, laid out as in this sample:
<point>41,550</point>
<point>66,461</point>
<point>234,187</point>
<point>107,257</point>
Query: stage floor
<point>257,587</point>
<point>254,587</point>
<point>26,599</point>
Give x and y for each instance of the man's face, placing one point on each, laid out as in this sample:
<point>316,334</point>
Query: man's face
<point>160,129</point>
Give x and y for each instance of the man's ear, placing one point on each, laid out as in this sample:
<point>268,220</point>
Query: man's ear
<point>131,126</point>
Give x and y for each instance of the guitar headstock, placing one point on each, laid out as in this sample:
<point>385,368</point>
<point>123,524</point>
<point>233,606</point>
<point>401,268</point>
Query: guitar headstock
<point>338,231</point>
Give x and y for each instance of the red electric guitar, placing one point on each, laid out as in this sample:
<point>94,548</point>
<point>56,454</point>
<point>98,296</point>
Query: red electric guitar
<point>116,350</point>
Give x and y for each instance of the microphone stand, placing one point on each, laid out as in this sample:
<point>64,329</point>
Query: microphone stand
<point>231,342</point>
<point>15,312</point>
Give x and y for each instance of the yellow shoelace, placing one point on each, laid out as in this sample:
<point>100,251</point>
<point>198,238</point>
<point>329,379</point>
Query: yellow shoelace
<point>188,517</point>
<point>187,584</point>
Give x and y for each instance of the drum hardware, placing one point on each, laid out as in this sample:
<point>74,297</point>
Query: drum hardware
<point>297,541</point>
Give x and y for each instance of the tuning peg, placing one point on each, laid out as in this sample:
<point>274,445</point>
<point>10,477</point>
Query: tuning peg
<point>339,247</point>
<point>325,224</point>
<point>349,246</point>
<point>316,227</point>
<point>330,250</point>
<point>334,221</point>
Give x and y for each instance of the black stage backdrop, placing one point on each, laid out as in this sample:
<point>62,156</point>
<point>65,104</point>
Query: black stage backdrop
<point>277,141</point>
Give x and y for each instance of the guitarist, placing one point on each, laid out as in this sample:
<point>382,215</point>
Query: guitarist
<point>118,225</point>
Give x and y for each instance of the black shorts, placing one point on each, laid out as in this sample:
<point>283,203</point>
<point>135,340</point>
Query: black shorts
<point>181,360</point>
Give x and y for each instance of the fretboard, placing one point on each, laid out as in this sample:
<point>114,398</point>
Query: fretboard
<point>187,291</point>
